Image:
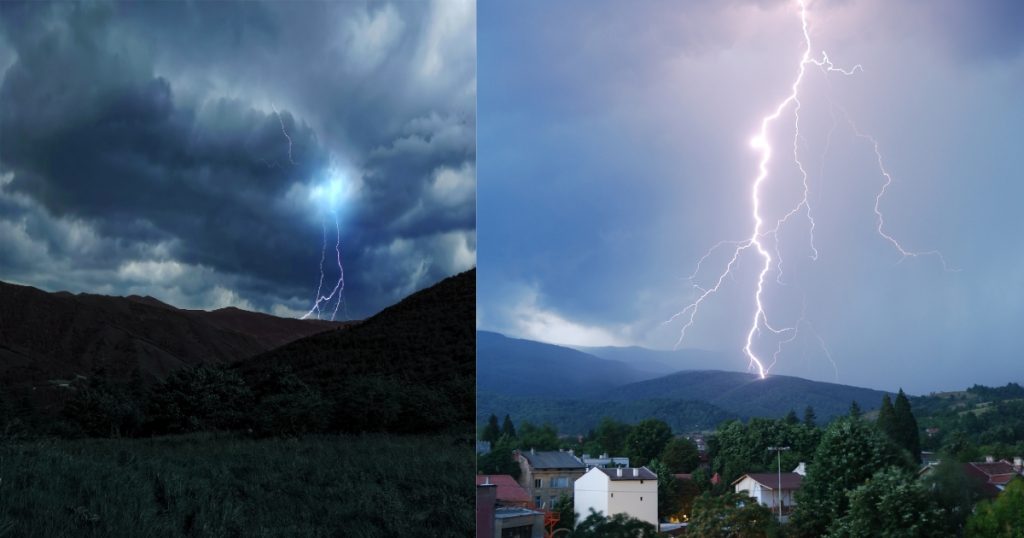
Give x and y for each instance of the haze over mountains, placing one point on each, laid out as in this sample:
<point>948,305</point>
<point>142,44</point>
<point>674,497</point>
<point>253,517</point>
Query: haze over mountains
<point>573,390</point>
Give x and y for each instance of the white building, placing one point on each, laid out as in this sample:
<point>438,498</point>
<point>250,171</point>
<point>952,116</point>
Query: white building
<point>771,489</point>
<point>631,491</point>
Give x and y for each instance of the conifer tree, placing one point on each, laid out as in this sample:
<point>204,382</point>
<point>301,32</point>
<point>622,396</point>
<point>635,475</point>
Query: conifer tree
<point>905,427</point>
<point>507,428</point>
<point>855,411</point>
<point>491,432</point>
<point>809,417</point>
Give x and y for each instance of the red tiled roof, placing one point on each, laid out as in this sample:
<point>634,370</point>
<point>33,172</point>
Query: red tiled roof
<point>771,480</point>
<point>509,490</point>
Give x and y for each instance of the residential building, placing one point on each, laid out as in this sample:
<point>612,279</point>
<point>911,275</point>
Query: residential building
<point>995,474</point>
<point>632,491</point>
<point>772,490</point>
<point>548,475</point>
<point>508,491</point>
<point>604,460</point>
<point>517,522</point>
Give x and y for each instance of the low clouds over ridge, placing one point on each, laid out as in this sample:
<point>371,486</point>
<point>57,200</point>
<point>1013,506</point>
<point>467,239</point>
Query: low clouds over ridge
<point>140,150</point>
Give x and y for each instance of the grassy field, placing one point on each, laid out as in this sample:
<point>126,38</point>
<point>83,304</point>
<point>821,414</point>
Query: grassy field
<point>225,485</point>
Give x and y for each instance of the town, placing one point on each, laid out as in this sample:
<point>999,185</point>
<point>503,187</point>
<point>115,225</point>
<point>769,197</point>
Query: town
<point>949,475</point>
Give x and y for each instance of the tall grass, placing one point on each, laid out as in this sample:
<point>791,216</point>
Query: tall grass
<point>223,485</point>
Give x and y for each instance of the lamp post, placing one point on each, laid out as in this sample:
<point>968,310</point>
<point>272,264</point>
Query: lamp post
<point>779,450</point>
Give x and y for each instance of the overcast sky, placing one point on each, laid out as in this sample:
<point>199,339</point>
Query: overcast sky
<point>614,151</point>
<point>140,151</point>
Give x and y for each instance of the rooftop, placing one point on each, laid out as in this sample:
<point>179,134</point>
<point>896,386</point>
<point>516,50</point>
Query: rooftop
<point>508,489</point>
<point>629,473</point>
<point>771,480</point>
<point>552,460</point>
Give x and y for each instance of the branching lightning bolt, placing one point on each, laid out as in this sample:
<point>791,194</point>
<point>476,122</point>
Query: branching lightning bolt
<point>320,300</point>
<point>758,241</point>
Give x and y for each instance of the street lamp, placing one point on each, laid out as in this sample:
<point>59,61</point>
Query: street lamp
<point>779,450</point>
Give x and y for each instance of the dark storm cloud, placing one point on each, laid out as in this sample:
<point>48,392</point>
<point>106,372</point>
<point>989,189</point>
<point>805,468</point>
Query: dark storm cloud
<point>150,128</point>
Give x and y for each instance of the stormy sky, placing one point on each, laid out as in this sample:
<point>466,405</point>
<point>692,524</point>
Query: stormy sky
<point>615,151</point>
<point>195,151</point>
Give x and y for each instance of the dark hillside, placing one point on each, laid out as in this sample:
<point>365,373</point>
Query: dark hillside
<point>409,368</point>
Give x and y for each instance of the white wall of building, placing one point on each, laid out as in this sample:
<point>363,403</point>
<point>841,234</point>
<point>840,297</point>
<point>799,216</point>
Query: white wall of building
<point>635,498</point>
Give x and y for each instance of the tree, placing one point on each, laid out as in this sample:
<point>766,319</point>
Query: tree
<point>669,490</point>
<point>646,441</point>
<point>537,437</point>
<point>1002,517</point>
<point>203,398</point>
<point>104,409</point>
<point>680,455</point>
<point>596,525</point>
<point>809,417</point>
<point>849,453</point>
<point>611,436</point>
<point>732,515</point>
<point>892,504</point>
<point>499,460</point>
<point>286,405</point>
<point>491,431</point>
<point>954,491</point>
<point>855,411</point>
<point>905,427</point>
<point>507,428</point>
<point>791,418</point>
<point>566,513</point>
<point>886,421</point>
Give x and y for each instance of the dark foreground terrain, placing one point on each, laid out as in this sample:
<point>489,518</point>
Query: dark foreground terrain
<point>226,485</point>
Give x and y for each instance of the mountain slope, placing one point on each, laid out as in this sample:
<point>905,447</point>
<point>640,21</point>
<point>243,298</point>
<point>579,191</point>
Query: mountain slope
<point>410,367</point>
<point>749,396</point>
<point>48,337</point>
<point>663,361</point>
<point>527,368</point>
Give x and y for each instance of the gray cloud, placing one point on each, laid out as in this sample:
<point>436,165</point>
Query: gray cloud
<point>141,151</point>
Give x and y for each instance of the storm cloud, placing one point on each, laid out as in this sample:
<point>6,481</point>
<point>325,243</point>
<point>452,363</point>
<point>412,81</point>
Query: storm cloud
<point>172,149</point>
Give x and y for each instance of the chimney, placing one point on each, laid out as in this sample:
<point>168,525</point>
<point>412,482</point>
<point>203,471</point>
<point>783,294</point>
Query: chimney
<point>801,469</point>
<point>532,451</point>
<point>618,472</point>
<point>989,459</point>
<point>572,452</point>
<point>636,472</point>
<point>487,480</point>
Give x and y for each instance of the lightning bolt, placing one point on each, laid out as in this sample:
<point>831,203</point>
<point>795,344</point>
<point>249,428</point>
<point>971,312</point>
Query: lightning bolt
<point>764,241</point>
<point>335,295</point>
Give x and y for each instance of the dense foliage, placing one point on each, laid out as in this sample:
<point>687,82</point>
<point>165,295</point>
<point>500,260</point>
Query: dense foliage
<point>848,455</point>
<point>892,503</point>
<point>225,485</point>
<point>981,421</point>
<point>596,525</point>
<point>1002,517</point>
<point>740,448</point>
<point>731,515</point>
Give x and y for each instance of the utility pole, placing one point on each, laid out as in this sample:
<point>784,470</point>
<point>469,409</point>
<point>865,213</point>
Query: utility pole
<point>778,493</point>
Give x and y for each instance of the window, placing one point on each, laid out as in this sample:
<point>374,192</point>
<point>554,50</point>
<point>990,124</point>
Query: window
<point>554,499</point>
<point>560,482</point>
<point>536,482</point>
<point>537,502</point>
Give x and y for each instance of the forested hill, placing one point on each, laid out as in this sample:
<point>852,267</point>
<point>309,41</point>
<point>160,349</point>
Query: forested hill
<point>747,395</point>
<point>409,368</point>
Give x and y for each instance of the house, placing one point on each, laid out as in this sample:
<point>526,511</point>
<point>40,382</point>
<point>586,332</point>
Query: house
<point>632,491</point>
<point>994,475</point>
<point>497,520</point>
<point>604,460</point>
<point>773,490</point>
<point>508,492</point>
<point>548,475</point>
<point>517,522</point>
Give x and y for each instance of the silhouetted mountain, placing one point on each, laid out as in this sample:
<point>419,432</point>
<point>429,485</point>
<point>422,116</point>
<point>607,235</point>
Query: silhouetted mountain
<point>526,368</point>
<point>541,382</point>
<point>49,338</point>
<point>408,368</point>
<point>749,396</point>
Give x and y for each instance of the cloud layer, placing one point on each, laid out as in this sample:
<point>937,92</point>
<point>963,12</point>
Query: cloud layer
<point>173,149</point>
